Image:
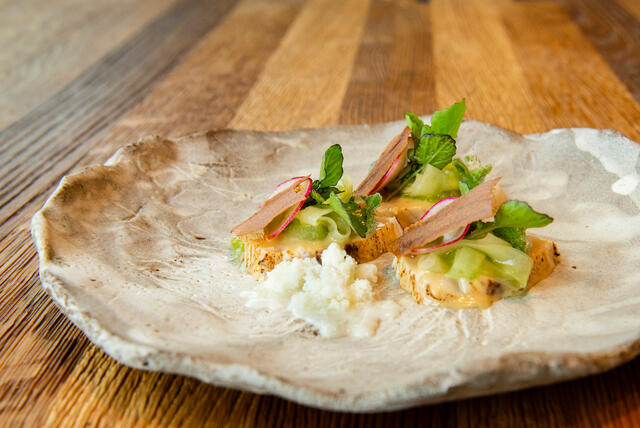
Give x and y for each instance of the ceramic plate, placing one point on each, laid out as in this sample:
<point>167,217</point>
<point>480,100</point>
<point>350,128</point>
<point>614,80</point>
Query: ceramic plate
<point>134,252</point>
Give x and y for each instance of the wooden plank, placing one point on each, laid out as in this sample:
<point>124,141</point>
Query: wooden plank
<point>580,90</point>
<point>39,346</point>
<point>223,58</point>
<point>58,132</point>
<point>474,58</point>
<point>45,45</point>
<point>205,90</point>
<point>49,373</point>
<point>615,33</point>
<point>165,400</point>
<point>632,6</point>
<point>304,81</point>
<point>393,71</point>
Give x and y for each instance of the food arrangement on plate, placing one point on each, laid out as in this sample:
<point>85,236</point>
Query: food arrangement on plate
<point>420,284</point>
<point>457,239</point>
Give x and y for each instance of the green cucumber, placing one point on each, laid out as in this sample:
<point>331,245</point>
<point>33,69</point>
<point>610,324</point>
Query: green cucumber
<point>466,263</point>
<point>433,183</point>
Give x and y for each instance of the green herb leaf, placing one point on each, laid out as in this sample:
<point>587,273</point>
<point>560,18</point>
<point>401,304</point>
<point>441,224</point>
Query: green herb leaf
<point>416,124</point>
<point>236,252</point>
<point>510,223</point>
<point>331,167</point>
<point>361,219</point>
<point>448,121</point>
<point>470,178</point>
<point>371,203</point>
<point>513,235</point>
<point>437,150</point>
<point>520,214</point>
<point>330,174</point>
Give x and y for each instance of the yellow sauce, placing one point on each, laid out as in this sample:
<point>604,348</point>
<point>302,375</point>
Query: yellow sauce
<point>445,291</point>
<point>406,210</point>
<point>481,292</point>
<point>285,242</point>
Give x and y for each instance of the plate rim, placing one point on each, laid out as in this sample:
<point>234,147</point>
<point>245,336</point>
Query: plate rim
<point>530,368</point>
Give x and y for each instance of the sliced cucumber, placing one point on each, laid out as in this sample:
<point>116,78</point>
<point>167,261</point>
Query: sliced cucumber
<point>466,263</point>
<point>433,263</point>
<point>434,184</point>
<point>488,257</point>
<point>318,224</point>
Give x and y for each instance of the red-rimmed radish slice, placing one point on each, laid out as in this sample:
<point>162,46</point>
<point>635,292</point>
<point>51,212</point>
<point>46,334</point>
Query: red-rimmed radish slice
<point>281,187</point>
<point>437,207</point>
<point>448,238</point>
<point>393,172</point>
<point>296,209</point>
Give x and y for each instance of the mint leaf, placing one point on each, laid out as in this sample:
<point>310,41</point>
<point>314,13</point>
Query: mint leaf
<point>331,167</point>
<point>470,178</point>
<point>434,149</point>
<point>448,121</point>
<point>361,219</point>
<point>510,223</point>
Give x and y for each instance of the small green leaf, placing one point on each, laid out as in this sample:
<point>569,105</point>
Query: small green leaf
<point>437,150</point>
<point>416,124</point>
<point>361,219</point>
<point>510,223</point>
<point>470,178</point>
<point>520,214</point>
<point>371,203</point>
<point>236,252</point>
<point>513,235</point>
<point>331,166</point>
<point>448,121</point>
<point>330,174</point>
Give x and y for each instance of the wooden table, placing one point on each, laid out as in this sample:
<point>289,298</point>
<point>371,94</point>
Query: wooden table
<point>80,79</point>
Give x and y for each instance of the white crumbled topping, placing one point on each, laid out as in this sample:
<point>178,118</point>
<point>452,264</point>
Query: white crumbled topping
<point>336,296</point>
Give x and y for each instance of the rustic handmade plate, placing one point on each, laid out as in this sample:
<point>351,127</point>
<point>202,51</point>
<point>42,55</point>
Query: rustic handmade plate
<point>135,254</point>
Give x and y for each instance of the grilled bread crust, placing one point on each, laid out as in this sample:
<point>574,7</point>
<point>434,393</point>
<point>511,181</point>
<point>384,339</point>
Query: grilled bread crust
<point>259,257</point>
<point>545,257</point>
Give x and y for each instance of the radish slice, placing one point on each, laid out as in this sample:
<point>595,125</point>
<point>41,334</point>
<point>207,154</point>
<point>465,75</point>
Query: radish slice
<point>279,188</point>
<point>437,207</point>
<point>295,211</point>
<point>388,176</point>
<point>449,238</point>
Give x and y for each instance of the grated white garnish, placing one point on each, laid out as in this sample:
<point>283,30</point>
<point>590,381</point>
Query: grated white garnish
<point>336,296</point>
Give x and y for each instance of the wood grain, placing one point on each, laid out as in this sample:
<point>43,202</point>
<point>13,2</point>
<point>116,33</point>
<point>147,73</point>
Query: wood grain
<point>304,81</point>
<point>615,33</point>
<point>44,51</point>
<point>194,65</point>
<point>56,134</point>
<point>393,70</point>
<point>632,6</point>
<point>474,58</point>
<point>209,85</point>
<point>541,33</point>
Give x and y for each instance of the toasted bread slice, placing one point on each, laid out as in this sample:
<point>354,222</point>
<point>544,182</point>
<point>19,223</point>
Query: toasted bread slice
<point>480,293</point>
<point>261,256</point>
